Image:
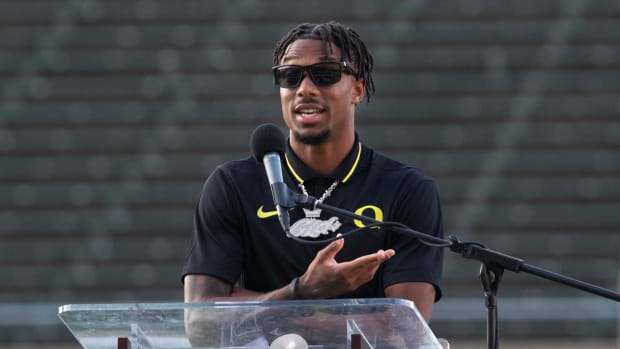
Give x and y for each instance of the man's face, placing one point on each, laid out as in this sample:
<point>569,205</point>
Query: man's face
<point>318,114</point>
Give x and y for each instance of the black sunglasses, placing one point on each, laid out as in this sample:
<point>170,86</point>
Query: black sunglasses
<point>322,74</point>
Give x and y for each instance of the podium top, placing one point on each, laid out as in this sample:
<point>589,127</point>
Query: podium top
<point>381,323</point>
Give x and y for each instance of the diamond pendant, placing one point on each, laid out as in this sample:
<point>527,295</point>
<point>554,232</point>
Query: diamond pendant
<point>312,227</point>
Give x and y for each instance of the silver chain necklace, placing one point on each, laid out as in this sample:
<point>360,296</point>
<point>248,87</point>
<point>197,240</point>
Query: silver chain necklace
<point>326,194</point>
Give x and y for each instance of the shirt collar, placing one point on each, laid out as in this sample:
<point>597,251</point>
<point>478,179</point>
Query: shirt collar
<point>301,172</point>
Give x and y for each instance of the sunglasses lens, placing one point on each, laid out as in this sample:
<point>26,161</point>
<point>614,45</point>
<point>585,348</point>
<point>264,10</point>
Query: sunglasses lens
<point>323,74</point>
<point>288,76</point>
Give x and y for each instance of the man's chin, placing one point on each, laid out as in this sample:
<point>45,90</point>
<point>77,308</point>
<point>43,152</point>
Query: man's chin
<point>312,139</point>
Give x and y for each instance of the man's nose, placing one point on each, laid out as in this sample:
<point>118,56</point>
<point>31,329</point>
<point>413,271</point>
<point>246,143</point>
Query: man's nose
<point>306,85</point>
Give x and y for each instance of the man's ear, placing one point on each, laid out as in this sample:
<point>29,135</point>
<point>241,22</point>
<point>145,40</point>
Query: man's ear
<point>357,95</point>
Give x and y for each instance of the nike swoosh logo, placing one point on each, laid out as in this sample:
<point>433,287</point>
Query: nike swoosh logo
<point>262,214</point>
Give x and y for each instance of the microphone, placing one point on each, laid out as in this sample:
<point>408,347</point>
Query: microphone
<point>268,144</point>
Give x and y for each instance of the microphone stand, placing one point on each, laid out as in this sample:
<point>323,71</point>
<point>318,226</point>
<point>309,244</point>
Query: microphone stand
<point>493,265</point>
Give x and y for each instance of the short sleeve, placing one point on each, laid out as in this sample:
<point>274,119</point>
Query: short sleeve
<point>216,245</point>
<point>420,209</point>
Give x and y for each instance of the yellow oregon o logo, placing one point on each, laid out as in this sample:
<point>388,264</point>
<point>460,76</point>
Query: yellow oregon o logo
<point>377,214</point>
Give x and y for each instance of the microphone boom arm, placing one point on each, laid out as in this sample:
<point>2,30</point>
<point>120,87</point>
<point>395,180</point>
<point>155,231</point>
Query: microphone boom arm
<point>494,263</point>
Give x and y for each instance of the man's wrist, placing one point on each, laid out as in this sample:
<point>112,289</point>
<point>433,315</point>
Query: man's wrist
<point>292,289</point>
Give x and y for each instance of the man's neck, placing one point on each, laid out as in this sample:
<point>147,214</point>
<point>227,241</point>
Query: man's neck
<point>323,158</point>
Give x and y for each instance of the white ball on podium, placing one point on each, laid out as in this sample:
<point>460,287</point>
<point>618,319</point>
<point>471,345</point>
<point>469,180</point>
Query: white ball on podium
<point>289,341</point>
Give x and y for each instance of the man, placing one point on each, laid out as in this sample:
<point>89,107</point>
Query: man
<point>323,71</point>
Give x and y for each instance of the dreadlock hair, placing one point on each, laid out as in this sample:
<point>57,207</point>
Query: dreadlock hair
<point>347,39</point>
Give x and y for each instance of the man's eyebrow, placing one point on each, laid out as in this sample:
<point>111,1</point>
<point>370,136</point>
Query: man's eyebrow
<point>288,58</point>
<point>293,57</point>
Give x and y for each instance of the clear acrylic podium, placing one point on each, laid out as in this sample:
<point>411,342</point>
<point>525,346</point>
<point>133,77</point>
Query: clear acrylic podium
<point>344,323</point>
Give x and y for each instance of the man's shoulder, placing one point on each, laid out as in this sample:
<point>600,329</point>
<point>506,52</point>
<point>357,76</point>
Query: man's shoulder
<point>389,166</point>
<point>238,167</point>
<point>236,171</point>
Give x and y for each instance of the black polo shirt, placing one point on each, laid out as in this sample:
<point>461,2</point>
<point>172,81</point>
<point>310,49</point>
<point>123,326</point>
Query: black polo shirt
<point>237,236</point>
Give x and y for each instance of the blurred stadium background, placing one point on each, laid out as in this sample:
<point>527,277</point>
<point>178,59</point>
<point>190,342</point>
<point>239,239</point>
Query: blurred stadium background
<point>112,114</point>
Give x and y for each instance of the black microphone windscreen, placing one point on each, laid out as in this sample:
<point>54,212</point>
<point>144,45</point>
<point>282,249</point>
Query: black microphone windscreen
<point>267,138</point>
